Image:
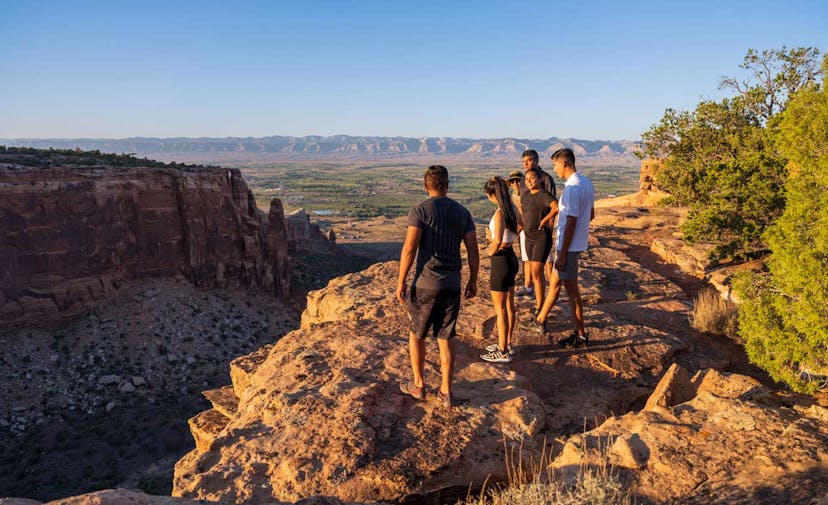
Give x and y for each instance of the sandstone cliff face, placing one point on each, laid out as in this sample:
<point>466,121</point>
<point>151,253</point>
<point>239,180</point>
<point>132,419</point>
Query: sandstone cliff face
<point>306,237</point>
<point>71,234</point>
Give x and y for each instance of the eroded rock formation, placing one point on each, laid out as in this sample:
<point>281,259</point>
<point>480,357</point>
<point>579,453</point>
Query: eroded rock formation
<point>306,237</point>
<point>72,233</point>
<point>733,441</point>
<point>320,412</point>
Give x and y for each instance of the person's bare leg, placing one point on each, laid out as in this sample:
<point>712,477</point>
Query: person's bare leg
<point>548,268</point>
<point>499,302</point>
<point>446,363</point>
<point>551,296</point>
<point>416,350</point>
<point>510,316</point>
<point>575,303</point>
<point>537,281</point>
<point>527,274</point>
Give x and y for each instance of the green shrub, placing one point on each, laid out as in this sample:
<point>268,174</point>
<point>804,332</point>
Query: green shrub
<point>784,314</point>
<point>720,159</point>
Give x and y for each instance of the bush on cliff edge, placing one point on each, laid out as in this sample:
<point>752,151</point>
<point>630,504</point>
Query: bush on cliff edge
<point>784,317</point>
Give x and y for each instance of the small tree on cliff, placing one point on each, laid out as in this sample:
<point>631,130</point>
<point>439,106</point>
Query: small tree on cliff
<point>784,315</point>
<point>720,159</point>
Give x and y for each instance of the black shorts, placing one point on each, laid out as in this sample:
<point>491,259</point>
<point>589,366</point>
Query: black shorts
<point>504,269</point>
<point>538,245</point>
<point>433,310</point>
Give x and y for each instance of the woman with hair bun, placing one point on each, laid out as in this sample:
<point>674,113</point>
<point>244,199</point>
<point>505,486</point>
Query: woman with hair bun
<point>503,229</point>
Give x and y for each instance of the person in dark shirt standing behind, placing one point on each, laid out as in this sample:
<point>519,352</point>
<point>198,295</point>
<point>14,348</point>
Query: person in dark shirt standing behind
<point>530,161</point>
<point>436,227</point>
<point>539,210</point>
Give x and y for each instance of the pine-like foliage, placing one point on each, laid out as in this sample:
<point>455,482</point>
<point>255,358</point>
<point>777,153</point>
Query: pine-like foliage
<point>784,315</point>
<point>720,159</point>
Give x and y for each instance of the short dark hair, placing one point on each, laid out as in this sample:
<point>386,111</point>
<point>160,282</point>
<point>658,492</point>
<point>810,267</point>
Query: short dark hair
<point>566,155</point>
<point>436,177</point>
<point>530,152</point>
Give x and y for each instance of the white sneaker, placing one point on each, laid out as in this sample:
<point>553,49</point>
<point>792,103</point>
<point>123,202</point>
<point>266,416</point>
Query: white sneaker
<point>497,357</point>
<point>494,347</point>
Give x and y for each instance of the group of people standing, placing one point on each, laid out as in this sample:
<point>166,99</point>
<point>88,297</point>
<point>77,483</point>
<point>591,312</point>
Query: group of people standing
<point>526,210</point>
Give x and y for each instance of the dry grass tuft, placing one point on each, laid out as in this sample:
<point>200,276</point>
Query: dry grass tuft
<point>713,314</point>
<point>538,485</point>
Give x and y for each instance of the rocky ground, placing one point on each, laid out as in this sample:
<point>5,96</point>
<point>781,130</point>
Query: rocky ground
<point>319,412</point>
<point>114,388</point>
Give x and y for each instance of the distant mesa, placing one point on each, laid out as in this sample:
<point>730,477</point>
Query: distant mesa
<point>620,152</point>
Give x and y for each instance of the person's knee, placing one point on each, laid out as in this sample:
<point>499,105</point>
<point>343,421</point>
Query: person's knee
<point>446,347</point>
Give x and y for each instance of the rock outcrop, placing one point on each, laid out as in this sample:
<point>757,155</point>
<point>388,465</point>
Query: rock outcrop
<point>648,175</point>
<point>73,233</point>
<point>320,411</point>
<point>306,237</point>
<point>129,497</point>
<point>733,442</point>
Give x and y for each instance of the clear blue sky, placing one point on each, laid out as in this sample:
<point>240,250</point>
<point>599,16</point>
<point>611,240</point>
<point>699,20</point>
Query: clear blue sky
<point>592,69</point>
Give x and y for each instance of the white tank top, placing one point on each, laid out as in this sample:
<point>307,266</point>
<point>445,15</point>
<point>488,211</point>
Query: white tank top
<point>508,235</point>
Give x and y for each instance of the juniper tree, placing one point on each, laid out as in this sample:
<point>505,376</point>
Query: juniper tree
<point>784,315</point>
<point>720,159</point>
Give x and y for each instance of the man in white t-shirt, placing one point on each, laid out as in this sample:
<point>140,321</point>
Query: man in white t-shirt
<point>575,211</point>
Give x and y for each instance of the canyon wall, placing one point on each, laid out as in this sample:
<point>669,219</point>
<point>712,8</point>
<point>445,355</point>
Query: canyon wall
<point>70,234</point>
<point>306,237</point>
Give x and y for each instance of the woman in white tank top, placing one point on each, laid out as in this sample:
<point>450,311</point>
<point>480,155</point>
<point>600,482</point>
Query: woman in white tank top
<point>503,229</point>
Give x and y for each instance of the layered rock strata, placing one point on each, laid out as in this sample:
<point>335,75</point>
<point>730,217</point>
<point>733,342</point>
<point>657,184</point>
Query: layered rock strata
<point>72,234</point>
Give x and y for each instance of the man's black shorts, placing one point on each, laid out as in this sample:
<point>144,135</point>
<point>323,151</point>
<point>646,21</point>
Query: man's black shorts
<point>433,311</point>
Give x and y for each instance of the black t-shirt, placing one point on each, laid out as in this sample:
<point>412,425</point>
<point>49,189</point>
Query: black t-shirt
<point>535,208</point>
<point>444,223</point>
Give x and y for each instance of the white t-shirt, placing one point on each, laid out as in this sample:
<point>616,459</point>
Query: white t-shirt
<point>577,200</point>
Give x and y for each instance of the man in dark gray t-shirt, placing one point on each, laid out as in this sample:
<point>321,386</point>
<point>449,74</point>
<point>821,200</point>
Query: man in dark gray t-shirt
<point>436,227</point>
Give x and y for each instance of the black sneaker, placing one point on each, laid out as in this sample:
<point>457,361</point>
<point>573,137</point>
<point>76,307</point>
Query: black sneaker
<point>582,340</point>
<point>570,341</point>
<point>531,325</point>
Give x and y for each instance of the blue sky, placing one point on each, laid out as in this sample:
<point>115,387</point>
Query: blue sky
<point>593,69</point>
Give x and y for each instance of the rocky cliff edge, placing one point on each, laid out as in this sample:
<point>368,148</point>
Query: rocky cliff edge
<point>73,233</point>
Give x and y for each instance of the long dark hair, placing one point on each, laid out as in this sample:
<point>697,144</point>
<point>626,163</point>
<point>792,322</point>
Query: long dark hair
<point>498,187</point>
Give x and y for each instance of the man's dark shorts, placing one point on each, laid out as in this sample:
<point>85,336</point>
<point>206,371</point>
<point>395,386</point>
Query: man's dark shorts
<point>433,311</point>
<point>570,270</point>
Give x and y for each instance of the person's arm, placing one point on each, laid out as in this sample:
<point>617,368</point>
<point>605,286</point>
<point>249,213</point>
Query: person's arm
<point>497,236</point>
<point>519,215</point>
<point>470,241</point>
<point>409,252</point>
<point>553,211</point>
<point>572,202</point>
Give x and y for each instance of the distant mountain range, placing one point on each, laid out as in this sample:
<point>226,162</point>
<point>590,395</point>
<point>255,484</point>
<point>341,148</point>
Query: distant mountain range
<point>341,146</point>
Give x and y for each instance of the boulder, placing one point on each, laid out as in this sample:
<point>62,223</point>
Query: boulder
<point>732,447</point>
<point>674,387</point>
